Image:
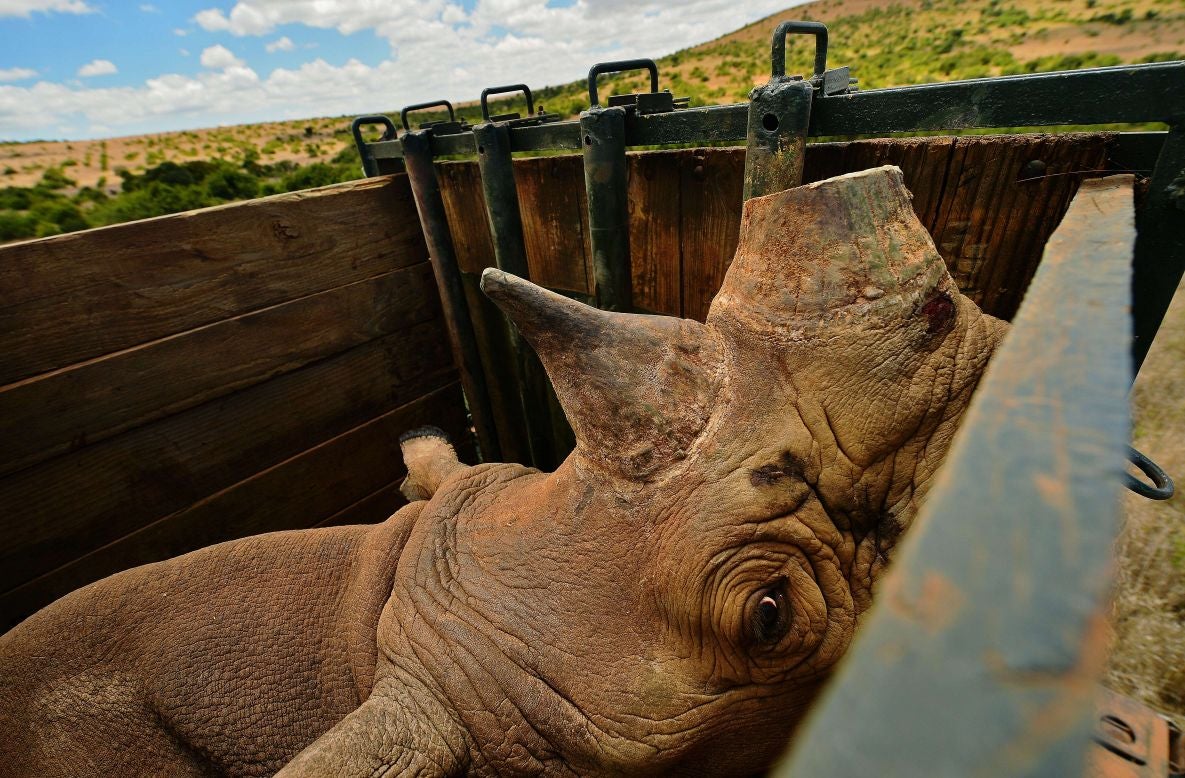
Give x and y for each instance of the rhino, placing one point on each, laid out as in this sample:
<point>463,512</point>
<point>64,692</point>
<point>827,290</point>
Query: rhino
<point>668,601</point>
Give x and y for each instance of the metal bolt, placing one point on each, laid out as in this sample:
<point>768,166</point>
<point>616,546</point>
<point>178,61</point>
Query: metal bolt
<point>1034,168</point>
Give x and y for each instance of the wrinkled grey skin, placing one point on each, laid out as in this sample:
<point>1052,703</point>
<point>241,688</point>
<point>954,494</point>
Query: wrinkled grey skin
<point>610,618</point>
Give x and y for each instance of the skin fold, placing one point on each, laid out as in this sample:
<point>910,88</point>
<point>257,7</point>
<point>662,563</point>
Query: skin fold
<point>668,602</point>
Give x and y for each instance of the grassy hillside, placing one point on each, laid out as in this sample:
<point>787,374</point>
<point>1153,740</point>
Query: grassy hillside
<point>52,187</point>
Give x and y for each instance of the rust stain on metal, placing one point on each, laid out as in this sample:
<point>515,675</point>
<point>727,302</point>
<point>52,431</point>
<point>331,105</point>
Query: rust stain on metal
<point>936,605</point>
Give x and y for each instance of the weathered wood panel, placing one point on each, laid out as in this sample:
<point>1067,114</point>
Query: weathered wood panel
<point>79,296</point>
<point>465,206</point>
<point>1003,197</point>
<point>990,203</point>
<point>199,377</point>
<point>711,183</point>
<point>355,468</point>
<point>84,404</point>
<point>116,486</point>
<point>655,214</point>
<point>555,221</point>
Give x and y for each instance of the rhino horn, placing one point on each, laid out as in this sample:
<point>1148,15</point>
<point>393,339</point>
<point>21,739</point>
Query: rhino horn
<point>636,389</point>
<point>847,248</point>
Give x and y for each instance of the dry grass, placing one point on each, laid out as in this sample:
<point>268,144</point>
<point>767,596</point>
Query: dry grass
<point>1148,658</point>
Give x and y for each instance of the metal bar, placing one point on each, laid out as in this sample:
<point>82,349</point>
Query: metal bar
<point>510,255</point>
<point>386,149</point>
<point>605,180</point>
<point>1124,94</point>
<point>779,113</point>
<point>980,653</point>
<point>715,124</point>
<point>421,173</point>
<point>1160,247</point>
<point>1128,93</point>
<point>460,143</point>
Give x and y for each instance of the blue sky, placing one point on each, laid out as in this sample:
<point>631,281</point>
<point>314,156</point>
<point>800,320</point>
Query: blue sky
<point>96,68</point>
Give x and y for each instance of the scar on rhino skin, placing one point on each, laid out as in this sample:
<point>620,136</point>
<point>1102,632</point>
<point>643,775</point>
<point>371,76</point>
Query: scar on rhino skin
<point>940,310</point>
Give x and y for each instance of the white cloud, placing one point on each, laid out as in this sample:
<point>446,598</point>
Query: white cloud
<point>179,32</point>
<point>97,67</point>
<point>283,44</point>
<point>183,52</point>
<point>16,74</point>
<point>503,41</point>
<point>218,57</point>
<point>149,8</point>
<point>24,8</point>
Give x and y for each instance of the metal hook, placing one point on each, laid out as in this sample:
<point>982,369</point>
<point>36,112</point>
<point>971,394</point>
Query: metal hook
<point>1163,488</point>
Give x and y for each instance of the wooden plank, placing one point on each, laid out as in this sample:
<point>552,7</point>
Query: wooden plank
<point>68,409</point>
<point>68,506</point>
<point>551,199</point>
<point>654,206</point>
<point>79,296</point>
<point>375,507</point>
<point>993,223</point>
<point>710,183</point>
<point>465,208</point>
<point>295,493</point>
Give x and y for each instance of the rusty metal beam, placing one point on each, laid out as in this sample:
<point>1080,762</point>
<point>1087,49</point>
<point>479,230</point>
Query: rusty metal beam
<point>980,655</point>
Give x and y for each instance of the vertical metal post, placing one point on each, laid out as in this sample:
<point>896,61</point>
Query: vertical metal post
<point>779,114</point>
<point>1160,244</point>
<point>424,185</point>
<point>605,181</point>
<point>510,254</point>
<point>501,193</point>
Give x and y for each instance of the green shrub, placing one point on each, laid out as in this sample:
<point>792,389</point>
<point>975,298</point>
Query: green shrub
<point>317,174</point>
<point>53,178</point>
<point>17,226</point>
<point>231,184</point>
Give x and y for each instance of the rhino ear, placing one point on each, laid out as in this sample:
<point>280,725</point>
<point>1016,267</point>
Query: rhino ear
<point>849,248</point>
<point>430,459</point>
<point>637,390</point>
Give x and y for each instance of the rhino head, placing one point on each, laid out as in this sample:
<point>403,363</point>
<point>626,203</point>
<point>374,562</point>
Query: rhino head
<point>672,597</point>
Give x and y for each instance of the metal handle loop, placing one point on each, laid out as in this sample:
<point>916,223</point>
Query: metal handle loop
<point>778,48</point>
<point>620,66</point>
<point>365,121</point>
<point>502,90</point>
<point>1163,488</point>
<point>452,117</point>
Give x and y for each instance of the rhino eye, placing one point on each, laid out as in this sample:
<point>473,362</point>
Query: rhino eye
<point>769,618</point>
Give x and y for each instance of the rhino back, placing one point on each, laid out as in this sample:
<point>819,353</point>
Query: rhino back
<point>229,659</point>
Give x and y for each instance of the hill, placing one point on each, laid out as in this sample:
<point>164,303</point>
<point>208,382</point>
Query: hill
<point>69,185</point>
